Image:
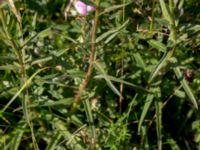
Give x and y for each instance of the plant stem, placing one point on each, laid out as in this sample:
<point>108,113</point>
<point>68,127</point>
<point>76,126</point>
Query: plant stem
<point>88,75</point>
<point>19,54</point>
<point>152,18</point>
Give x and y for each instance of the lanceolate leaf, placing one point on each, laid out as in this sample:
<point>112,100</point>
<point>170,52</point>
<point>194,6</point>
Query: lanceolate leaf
<point>158,105</point>
<point>109,83</point>
<point>163,62</point>
<point>158,45</point>
<point>166,12</point>
<point>145,109</point>
<point>111,32</point>
<point>184,83</point>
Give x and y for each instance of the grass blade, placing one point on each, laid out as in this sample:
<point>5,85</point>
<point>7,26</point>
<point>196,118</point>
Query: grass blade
<point>50,103</point>
<point>158,105</point>
<point>90,119</point>
<point>15,11</point>
<point>184,83</point>
<point>106,77</point>
<point>16,139</point>
<point>111,78</point>
<point>73,139</point>
<point>44,33</point>
<point>166,11</point>
<point>110,32</point>
<point>173,144</point>
<point>138,58</point>
<point>158,45</point>
<point>115,7</point>
<point>147,104</point>
<point>160,65</point>
<point>54,141</point>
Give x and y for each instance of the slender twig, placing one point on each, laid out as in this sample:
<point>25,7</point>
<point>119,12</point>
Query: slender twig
<point>88,75</point>
<point>122,67</point>
<point>67,9</point>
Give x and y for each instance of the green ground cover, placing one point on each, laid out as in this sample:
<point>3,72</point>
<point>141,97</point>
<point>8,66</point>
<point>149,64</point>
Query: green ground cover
<point>122,77</point>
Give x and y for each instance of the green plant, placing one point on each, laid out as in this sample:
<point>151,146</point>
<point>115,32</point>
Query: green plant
<point>123,77</point>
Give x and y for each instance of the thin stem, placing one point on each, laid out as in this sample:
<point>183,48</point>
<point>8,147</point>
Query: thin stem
<point>88,75</point>
<point>124,10</point>
<point>152,17</point>
<point>121,86</point>
<point>66,11</point>
<point>122,66</point>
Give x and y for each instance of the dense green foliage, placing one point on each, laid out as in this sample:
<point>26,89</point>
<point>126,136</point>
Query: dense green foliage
<point>142,90</point>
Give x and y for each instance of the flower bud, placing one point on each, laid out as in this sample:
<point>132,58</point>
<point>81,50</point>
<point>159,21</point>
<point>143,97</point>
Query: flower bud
<point>83,8</point>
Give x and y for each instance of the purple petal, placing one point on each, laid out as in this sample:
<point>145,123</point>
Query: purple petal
<point>80,7</point>
<point>90,8</point>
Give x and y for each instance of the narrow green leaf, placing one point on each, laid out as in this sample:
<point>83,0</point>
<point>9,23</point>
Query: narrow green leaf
<point>158,45</point>
<point>173,144</point>
<point>111,37</point>
<point>41,34</point>
<point>144,136</point>
<point>17,137</point>
<point>90,119</point>
<point>139,60</point>
<point>120,81</point>
<point>184,83</point>
<point>59,53</point>
<point>160,65</point>
<point>76,121</point>
<point>158,104</point>
<point>50,103</point>
<point>42,60</point>
<point>25,108</point>
<point>186,86</point>
<point>106,77</point>
<point>54,141</point>
<point>112,87</point>
<point>115,7</point>
<point>147,104</point>
<point>166,12</point>
<point>195,28</point>
<point>180,93</point>
<point>8,67</point>
<point>72,139</point>
<point>131,105</point>
<point>113,31</point>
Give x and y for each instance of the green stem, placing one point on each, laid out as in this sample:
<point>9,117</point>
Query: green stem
<point>123,10</point>
<point>152,17</point>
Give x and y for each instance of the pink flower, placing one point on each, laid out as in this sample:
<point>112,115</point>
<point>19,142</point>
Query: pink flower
<point>83,8</point>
